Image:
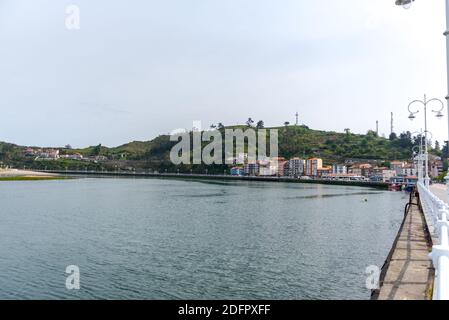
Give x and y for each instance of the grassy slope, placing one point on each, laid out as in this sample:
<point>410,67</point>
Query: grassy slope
<point>293,141</point>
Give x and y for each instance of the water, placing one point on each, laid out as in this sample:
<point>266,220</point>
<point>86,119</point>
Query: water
<point>174,239</point>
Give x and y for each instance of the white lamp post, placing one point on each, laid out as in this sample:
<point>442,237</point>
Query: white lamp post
<point>408,3</point>
<point>416,158</point>
<point>418,155</point>
<point>424,103</point>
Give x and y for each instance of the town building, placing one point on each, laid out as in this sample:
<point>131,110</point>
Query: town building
<point>339,169</point>
<point>409,170</point>
<point>75,156</point>
<point>282,168</point>
<point>379,170</point>
<point>49,154</point>
<point>344,177</point>
<point>387,175</point>
<point>251,168</point>
<point>324,172</point>
<point>272,167</point>
<point>312,166</point>
<point>397,166</point>
<point>435,168</point>
<point>296,167</point>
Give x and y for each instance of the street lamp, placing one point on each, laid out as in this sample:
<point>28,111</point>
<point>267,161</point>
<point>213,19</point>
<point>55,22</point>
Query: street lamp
<point>404,3</point>
<point>418,155</point>
<point>407,3</point>
<point>416,158</point>
<point>412,116</point>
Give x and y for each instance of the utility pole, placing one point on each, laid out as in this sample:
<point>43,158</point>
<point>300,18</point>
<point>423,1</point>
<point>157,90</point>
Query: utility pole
<point>377,127</point>
<point>296,118</point>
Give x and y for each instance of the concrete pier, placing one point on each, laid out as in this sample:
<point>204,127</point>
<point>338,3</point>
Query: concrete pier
<point>408,273</point>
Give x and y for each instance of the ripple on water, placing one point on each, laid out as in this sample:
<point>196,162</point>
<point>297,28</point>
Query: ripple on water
<point>159,239</point>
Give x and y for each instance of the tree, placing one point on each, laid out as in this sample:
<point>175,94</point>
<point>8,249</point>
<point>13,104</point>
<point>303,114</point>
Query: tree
<point>220,126</point>
<point>213,126</point>
<point>96,150</point>
<point>286,123</point>
<point>392,136</point>
<point>371,134</point>
<point>445,150</point>
<point>348,131</point>
<point>260,124</point>
<point>364,143</point>
<point>404,141</point>
<point>445,155</point>
<point>437,145</point>
<point>68,146</point>
<point>249,122</point>
<point>418,139</point>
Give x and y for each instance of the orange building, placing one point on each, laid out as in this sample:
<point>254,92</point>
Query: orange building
<point>312,166</point>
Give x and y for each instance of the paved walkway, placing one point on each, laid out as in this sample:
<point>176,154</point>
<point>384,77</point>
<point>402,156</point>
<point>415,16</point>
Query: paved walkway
<point>440,190</point>
<point>408,273</point>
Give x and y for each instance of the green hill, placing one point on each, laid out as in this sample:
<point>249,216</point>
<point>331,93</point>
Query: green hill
<point>294,141</point>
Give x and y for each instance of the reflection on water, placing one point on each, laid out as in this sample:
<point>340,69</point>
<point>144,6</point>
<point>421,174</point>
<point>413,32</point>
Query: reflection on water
<point>165,239</point>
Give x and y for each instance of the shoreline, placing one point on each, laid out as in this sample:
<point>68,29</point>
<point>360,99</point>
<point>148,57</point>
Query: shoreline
<point>187,176</point>
<point>23,175</point>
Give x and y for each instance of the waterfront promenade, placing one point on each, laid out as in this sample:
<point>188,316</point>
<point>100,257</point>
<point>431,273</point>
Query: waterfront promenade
<point>408,272</point>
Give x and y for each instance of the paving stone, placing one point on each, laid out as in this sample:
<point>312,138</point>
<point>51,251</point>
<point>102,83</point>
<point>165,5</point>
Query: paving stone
<point>410,274</point>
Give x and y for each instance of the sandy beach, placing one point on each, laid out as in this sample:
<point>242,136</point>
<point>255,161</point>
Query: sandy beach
<point>8,173</point>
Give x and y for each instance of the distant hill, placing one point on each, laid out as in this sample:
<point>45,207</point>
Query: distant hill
<point>294,141</point>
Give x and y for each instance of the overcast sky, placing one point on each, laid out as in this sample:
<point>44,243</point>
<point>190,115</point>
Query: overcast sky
<point>139,68</point>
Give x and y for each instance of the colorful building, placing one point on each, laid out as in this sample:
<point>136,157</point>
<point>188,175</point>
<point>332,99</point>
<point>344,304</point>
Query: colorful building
<point>312,166</point>
<point>324,172</point>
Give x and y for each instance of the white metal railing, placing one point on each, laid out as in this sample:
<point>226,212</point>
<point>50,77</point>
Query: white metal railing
<point>437,212</point>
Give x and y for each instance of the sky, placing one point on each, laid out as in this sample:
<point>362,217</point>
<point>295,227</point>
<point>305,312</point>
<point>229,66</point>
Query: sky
<point>137,69</point>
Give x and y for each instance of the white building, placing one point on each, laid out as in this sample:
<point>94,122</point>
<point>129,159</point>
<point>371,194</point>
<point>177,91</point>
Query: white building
<point>409,170</point>
<point>388,174</point>
<point>296,167</point>
<point>397,166</point>
<point>339,169</point>
<point>273,167</point>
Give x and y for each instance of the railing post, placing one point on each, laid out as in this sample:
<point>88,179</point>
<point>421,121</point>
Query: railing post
<point>438,212</point>
<point>440,256</point>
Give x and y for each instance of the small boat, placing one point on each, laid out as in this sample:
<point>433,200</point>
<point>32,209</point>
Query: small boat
<point>395,187</point>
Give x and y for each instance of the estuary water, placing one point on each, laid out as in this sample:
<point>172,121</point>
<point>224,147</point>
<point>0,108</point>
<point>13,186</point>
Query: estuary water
<point>181,239</point>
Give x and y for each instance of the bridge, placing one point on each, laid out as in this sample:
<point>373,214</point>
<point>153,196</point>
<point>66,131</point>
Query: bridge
<point>417,267</point>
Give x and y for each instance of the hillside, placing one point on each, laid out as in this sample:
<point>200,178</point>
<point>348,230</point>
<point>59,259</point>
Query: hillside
<point>299,141</point>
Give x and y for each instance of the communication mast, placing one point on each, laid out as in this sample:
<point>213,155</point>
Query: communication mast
<point>391,123</point>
